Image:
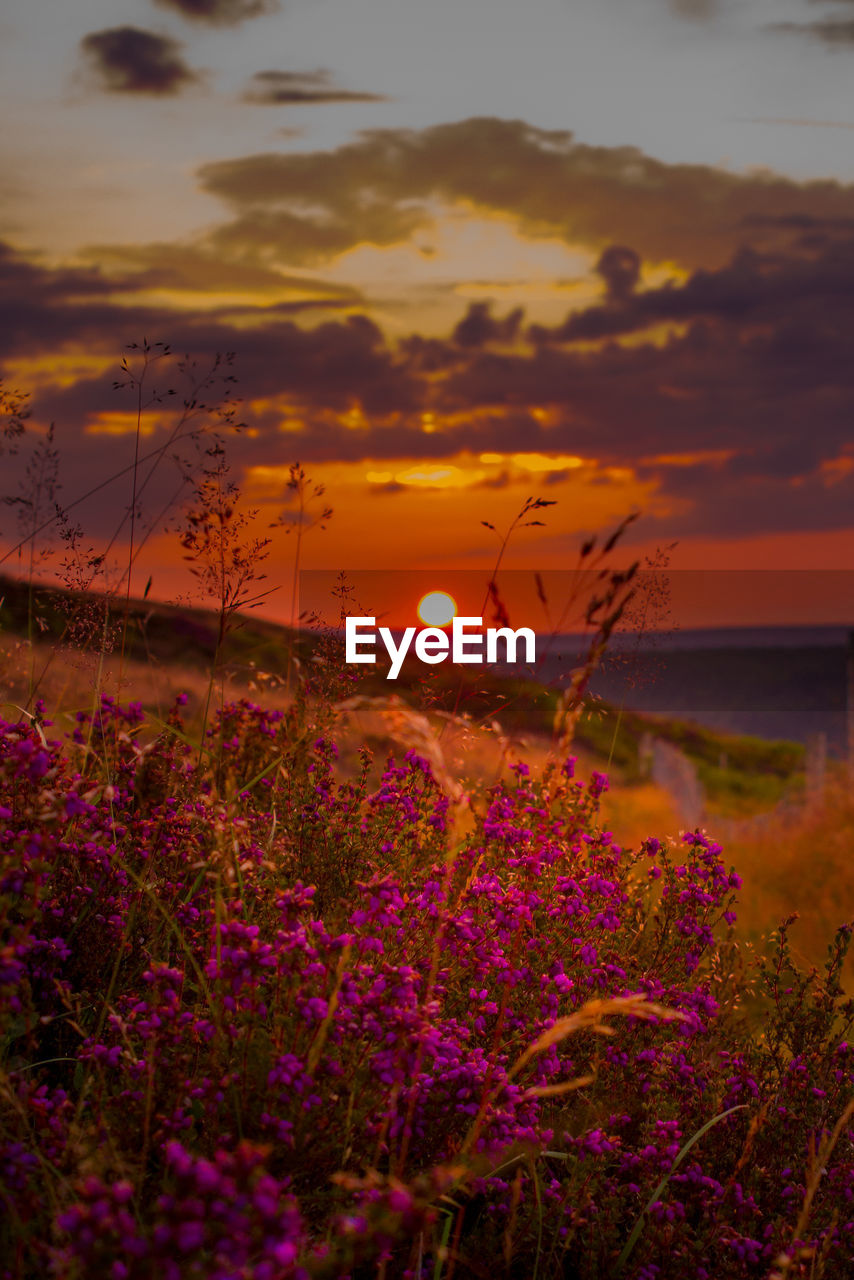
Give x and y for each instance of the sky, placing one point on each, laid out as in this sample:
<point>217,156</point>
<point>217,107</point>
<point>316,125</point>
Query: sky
<point>464,253</point>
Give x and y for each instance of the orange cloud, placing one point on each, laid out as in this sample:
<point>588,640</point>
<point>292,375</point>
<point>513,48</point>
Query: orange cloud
<point>384,187</point>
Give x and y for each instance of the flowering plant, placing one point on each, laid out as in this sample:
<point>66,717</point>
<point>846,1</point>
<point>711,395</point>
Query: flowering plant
<point>258,1021</point>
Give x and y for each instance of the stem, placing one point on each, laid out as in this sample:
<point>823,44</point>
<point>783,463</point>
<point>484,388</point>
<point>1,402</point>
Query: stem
<point>155,456</point>
<point>489,585</point>
<point>137,552</point>
<point>36,501</point>
<point>222,628</point>
<point>614,738</point>
<point>133,502</point>
<point>294,584</point>
<point>30,639</point>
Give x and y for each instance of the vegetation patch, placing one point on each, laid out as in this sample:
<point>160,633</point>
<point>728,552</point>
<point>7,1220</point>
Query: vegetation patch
<point>259,1022</point>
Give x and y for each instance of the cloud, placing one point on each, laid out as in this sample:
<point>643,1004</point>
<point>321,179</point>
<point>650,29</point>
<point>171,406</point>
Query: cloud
<point>743,356</point>
<point>834,32</point>
<point>802,221</point>
<point>127,60</point>
<point>305,208</point>
<point>798,122</point>
<point>297,237</point>
<point>620,268</point>
<point>753,289</point>
<point>327,368</point>
<point>301,88</point>
<point>194,269</point>
<point>221,13</point>
<point>43,305</point>
<point>697,10</point>
<point>479,327</point>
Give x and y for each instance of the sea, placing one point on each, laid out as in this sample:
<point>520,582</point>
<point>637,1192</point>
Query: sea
<point>770,682</point>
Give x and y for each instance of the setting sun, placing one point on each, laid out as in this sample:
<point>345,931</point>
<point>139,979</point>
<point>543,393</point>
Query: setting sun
<point>437,609</point>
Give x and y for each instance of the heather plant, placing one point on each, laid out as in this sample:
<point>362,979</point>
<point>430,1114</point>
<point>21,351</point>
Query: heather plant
<point>260,1021</point>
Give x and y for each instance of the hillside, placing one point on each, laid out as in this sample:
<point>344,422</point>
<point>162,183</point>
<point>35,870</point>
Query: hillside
<point>739,774</point>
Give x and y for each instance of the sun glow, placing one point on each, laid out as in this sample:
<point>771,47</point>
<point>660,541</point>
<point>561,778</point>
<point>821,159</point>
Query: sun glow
<point>437,609</point>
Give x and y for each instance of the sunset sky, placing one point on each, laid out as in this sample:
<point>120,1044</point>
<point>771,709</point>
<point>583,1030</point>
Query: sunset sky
<point>599,251</point>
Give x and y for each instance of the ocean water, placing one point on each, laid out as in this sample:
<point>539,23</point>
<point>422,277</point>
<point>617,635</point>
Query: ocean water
<point>772,682</point>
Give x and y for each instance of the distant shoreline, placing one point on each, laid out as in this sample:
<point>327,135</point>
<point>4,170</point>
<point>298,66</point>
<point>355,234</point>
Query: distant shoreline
<point>718,638</point>
<point>768,682</point>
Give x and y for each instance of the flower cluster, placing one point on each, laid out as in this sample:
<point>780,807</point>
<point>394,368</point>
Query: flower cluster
<point>258,1021</point>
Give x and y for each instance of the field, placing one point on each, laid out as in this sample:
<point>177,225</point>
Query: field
<point>299,980</point>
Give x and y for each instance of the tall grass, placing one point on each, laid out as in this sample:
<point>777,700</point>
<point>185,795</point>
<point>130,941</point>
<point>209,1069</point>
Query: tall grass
<point>208,411</point>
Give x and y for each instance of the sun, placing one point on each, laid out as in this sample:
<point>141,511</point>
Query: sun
<point>437,609</point>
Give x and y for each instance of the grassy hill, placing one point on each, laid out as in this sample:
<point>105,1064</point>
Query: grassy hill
<point>740,775</point>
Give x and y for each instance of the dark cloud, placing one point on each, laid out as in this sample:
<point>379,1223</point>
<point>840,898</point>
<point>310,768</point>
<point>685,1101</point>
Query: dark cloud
<point>753,289</point>
<point>479,327</point>
<point>41,307</point>
<point>332,366</point>
<point>221,13</point>
<point>501,480</point>
<point>127,60</point>
<point>198,270</point>
<point>381,188</point>
<point>755,504</point>
<point>800,221</point>
<point>620,268</point>
<point>834,32</point>
<point>300,88</point>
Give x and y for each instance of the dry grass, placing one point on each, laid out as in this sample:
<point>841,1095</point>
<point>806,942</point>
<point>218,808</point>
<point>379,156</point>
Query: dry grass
<point>68,679</point>
<point>804,865</point>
